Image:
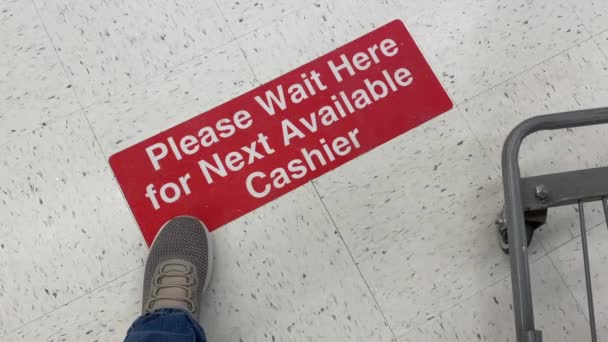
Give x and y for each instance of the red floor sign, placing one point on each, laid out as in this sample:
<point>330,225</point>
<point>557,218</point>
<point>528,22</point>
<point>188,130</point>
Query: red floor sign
<point>244,153</point>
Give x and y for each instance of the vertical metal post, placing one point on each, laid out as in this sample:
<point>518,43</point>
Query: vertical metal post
<point>518,244</point>
<point>581,213</point>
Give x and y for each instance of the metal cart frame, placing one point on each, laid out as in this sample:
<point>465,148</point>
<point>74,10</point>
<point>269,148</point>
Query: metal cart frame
<point>527,200</point>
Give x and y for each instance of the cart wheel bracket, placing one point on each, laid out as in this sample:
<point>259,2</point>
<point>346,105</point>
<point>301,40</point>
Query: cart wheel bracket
<point>533,220</point>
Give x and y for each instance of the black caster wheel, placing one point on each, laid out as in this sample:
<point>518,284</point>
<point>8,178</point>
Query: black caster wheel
<point>503,239</point>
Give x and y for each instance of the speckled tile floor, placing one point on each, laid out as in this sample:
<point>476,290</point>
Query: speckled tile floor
<point>405,251</point>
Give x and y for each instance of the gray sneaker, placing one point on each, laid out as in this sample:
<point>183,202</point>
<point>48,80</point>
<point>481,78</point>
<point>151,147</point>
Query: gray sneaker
<point>178,266</point>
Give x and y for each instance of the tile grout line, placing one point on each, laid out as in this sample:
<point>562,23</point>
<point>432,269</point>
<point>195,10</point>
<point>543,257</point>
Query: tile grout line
<point>171,68</point>
<point>446,310</point>
<point>48,36</point>
<point>386,321</point>
<point>574,237</point>
<point>103,155</point>
<point>66,74</point>
<point>441,312</point>
<point>148,79</point>
<point>82,111</point>
<point>598,46</point>
<point>140,82</point>
<point>561,277</point>
<point>234,38</point>
<point>71,301</point>
<point>168,70</point>
<point>508,79</point>
<point>486,155</point>
<point>314,187</point>
<point>579,18</point>
<point>489,160</point>
<point>42,125</point>
<point>605,54</point>
<point>589,32</point>
<point>578,304</point>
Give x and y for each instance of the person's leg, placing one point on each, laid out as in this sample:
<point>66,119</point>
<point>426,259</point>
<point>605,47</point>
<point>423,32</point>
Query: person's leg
<point>177,273</point>
<point>168,324</point>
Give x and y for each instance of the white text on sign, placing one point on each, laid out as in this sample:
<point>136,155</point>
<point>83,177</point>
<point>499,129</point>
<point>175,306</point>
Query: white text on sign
<point>294,127</point>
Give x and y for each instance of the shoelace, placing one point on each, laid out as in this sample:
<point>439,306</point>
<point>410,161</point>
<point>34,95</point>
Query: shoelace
<point>178,277</point>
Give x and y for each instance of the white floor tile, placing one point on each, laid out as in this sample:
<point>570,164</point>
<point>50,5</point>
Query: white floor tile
<point>103,315</point>
<point>162,102</point>
<point>593,14</point>
<point>569,261</point>
<point>65,227</point>
<point>247,15</point>
<point>33,85</point>
<point>488,316</point>
<point>310,32</point>
<point>108,46</point>
<point>478,44</point>
<point>418,214</point>
<point>281,273</point>
<point>577,79</point>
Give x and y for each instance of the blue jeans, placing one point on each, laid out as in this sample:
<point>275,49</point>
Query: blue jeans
<point>166,325</point>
